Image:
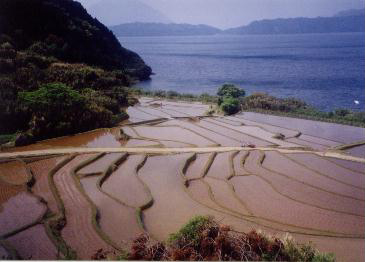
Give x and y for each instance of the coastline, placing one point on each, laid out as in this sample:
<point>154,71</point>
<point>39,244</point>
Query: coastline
<point>197,98</point>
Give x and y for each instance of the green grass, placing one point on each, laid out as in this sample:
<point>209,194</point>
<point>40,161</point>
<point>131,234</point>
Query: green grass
<point>305,252</point>
<point>190,232</point>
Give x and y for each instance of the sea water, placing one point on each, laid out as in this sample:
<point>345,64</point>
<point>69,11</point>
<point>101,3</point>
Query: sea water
<point>325,70</point>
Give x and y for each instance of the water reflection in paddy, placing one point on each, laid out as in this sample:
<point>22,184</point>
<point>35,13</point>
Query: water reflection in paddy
<point>106,137</point>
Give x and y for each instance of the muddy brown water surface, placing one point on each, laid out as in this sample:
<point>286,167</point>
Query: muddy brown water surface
<point>319,199</point>
<point>96,138</point>
<point>358,151</point>
<point>33,243</point>
<point>20,211</point>
<point>331,131</point>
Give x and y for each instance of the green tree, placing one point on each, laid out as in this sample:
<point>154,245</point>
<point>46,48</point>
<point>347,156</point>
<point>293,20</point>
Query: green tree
<point>229,90</point>
<point>230,105</point>
<point>53,98</point>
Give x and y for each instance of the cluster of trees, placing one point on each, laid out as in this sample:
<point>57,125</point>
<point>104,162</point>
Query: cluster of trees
<point>56,108</point>
<point>34,88</point>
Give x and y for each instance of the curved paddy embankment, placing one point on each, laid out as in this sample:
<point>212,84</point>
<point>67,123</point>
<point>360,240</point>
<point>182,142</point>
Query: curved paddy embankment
<point>170,163</point>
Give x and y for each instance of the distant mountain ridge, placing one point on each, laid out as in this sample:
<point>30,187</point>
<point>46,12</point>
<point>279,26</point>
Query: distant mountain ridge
<point>160,29</point>
<point>115,12</point>
<point>336,24</point>
<point>352,20</point>
<point>350,12</point>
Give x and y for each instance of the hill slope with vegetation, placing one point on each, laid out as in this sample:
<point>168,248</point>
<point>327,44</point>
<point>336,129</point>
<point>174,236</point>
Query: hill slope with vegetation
<point>65,30</point>
<point>54,50</point>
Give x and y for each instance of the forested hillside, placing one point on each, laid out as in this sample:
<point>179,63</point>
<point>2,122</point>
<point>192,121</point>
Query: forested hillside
<point>54,53</point>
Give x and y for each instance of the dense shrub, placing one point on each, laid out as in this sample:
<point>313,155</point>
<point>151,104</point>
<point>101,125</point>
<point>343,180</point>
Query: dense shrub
<point>172,94</point>
<point>160,93</point>
<point>230,105</point>
<point>203,239</point>
<point>81,76</point>
<point>7,51</point>
<point>229,97</point>
<point>229,90</point>
<point>58,109</point>
<point>12,117</point>
<point>266,102</point>
<point>104,93</point>
<point>53,97</point>
<point>342,112</point>
<point>190,233</point>
<point>262,102</point>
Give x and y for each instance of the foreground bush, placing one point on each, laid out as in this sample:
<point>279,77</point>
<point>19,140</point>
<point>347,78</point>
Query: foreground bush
<point>203,239</point>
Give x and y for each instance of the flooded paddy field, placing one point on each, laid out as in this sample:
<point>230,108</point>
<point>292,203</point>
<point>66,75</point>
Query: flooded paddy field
<point>308,182</point>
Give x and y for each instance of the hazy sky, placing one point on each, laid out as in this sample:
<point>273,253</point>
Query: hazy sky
<point>232,13</point>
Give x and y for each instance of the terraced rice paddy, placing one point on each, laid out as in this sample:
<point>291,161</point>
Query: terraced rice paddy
<point>308,181</point>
